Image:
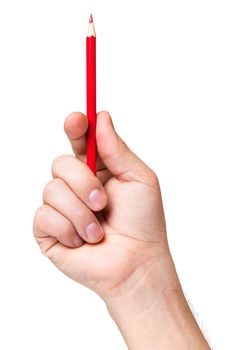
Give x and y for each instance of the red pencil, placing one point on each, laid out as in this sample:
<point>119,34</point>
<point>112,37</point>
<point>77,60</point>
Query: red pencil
<point>91,95</point>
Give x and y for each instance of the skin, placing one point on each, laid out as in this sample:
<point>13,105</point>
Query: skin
<point>108,233</point>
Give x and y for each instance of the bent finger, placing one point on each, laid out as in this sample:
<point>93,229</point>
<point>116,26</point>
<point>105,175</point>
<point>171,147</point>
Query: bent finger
<point>51,227</point>
<point>59,196</point>
<point>81,180</point>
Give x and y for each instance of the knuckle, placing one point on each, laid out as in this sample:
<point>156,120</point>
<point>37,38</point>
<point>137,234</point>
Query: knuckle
<point>153,177</point>
<point>40,217</point>
<point>66,228</point>
<point>148,176</point>
<point>82,214</point>
<point>40,212</point>
<point>51,186</point>
<point>66,231</point>
<point>59,162</point>
<point>100,113</point>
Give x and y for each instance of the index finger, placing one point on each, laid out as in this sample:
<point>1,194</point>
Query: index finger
<point>75,127</point>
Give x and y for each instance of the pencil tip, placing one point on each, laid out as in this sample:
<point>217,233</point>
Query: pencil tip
<point>91,18</point>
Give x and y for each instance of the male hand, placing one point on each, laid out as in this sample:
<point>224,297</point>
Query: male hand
<point>104,230</point>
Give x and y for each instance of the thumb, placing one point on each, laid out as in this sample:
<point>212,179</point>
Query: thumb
<point>116,155</point>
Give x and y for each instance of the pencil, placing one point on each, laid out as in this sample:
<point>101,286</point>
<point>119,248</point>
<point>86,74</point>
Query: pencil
<point>91,95</point>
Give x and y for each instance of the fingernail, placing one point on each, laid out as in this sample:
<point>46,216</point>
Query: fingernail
<point>97,199</point>
<point>94,232</point>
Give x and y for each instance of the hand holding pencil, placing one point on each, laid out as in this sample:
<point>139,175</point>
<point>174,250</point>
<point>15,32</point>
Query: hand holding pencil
<point>118,207</point>
<point>103,225</point>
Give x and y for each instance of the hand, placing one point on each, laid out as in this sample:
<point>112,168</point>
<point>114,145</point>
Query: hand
<point>108,232</point>
<point>122,207</point>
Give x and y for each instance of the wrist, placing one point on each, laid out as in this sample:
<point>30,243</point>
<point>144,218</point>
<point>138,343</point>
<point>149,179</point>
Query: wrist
<point>154,282</point>
<point>153,312</point>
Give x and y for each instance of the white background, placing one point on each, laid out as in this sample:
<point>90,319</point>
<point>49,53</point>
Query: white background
<point>169,73</point>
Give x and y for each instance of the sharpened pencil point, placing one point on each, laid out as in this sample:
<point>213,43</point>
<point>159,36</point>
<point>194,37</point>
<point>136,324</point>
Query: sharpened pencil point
<point>91,27</point>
